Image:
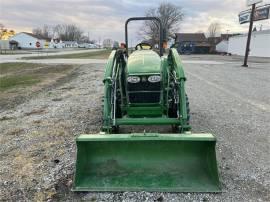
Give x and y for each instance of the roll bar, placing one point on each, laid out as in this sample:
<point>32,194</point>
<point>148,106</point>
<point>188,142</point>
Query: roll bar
<point>145,18</point>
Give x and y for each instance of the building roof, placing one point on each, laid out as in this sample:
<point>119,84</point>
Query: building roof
<point>193,37</point>
<point>36,36</point>
<point>253,33</point>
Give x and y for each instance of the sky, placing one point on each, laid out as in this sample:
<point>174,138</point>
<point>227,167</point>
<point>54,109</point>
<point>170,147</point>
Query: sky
<point>105,18</point>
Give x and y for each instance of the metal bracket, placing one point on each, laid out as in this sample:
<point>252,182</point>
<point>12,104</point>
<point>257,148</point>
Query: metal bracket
<point>144,134</point>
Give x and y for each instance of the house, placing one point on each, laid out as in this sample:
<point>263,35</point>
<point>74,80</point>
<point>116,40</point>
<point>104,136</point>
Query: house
<point>187,43</point>
<point>222,46</point>
<point>4,45</point>
<point>214,41</point>
<point>27,40</point>
<point>87,45</point>
<point>56,43</point>
<point>71,44</point>
<point>259,44</point>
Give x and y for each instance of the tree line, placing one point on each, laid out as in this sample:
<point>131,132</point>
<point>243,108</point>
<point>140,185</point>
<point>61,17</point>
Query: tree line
<point>65,32</point>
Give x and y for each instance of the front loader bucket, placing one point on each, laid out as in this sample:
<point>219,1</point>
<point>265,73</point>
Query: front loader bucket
<point>148,162</point>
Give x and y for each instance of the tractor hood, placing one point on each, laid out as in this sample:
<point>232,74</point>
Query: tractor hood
<point>144,62</point>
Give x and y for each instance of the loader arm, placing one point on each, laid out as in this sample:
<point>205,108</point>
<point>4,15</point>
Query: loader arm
<point>107,92</point>
<point>176,66</point>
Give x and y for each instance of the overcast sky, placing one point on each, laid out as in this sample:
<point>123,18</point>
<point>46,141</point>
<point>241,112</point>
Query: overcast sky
<point>103,19</point>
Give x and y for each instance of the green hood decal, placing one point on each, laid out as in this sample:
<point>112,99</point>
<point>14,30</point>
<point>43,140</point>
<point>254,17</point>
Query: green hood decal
<point>144,62</point>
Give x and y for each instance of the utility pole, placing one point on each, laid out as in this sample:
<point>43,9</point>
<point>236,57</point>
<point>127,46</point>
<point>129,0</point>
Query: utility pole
<point>249,35</point>
<point>253,3</point>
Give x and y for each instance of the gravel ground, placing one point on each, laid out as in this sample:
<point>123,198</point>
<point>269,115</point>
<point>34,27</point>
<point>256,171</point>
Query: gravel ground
<point>38,148</point>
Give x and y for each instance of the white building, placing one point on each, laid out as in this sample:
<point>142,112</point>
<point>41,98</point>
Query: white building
<point>87,45</point>
<point>222,47</point>
<point>71,44</point>
<point>259,44</point>
<point>4,44</point>
<point>56,43</point>
<point>27,40</point>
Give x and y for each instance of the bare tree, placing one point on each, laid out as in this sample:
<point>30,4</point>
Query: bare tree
<point>213,29</point>
<point>93,41</point>
<point>84,39</point>
<point>68,32</point>
<point>45,31</point>
<point>170,16</point>
<point>37,31</point>
<point>65,32</point>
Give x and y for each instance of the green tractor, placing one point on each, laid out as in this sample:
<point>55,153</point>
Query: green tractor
<point>146,88</point>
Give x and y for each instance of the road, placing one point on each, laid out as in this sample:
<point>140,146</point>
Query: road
<point>16,57</point>
<point>228,100</point>
<point>233,103</point>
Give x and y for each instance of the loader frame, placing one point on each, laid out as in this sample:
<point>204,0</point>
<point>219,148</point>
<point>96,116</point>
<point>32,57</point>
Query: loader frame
<point>154,19</point>
<point>115,64</point>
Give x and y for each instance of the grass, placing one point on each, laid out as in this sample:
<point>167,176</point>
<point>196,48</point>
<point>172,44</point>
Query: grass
<point>20,80</point>
<point>103,54</point>
<point>17,80</point>
<point>16,66</point>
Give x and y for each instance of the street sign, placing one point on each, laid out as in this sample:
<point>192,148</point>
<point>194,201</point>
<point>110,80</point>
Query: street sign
<point>244,17</point>
<point>250,2</point>
<point>46,45</point>
<point>37,44</point>
<point>261,13</point>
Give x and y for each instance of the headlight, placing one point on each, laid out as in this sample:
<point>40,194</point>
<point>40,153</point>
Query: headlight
<point>133,79</point>
<point>154,79</point>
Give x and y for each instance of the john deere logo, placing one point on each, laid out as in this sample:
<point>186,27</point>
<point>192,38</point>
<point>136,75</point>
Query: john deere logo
<point>46,45</point>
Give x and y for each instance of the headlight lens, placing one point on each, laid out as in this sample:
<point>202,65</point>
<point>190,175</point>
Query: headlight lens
<point>154,79</point>
<point>133,79</point>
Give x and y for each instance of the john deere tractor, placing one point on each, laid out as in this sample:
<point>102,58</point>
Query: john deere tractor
<point>146,88</point>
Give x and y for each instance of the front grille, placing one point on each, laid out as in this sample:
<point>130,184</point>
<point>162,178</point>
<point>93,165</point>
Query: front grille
<point>137,91</point>
<point>144,97</point>
<point>144,86</point>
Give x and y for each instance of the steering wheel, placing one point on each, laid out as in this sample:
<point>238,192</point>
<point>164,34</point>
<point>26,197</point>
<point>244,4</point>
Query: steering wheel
<point>143,46</point>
